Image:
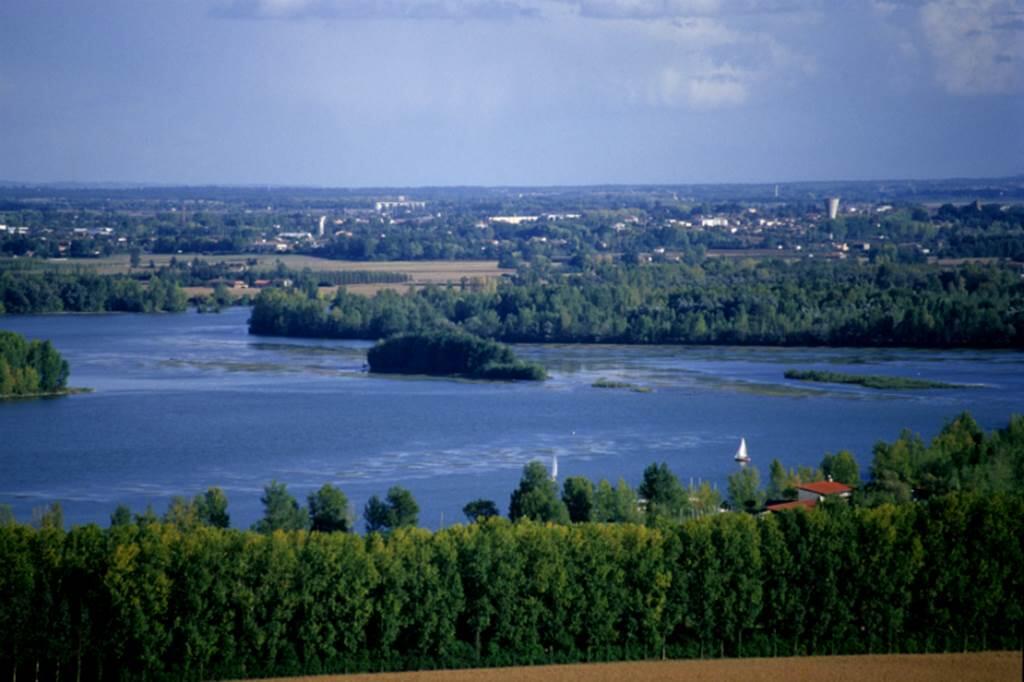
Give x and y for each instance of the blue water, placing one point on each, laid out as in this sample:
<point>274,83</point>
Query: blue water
<point>183,402</point>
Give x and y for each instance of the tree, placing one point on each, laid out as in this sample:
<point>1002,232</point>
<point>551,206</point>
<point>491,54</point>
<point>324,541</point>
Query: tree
<point>745,489</point>
<point>397,510</point>
<point>841,467</point>
<point>280,510</point>
<point>779,482</point>
<point>578,496</point>
<point>212,508</point>
<point>537,497</point>
<point>480,509</point>
<point>122,516</point>
<point>329,510</point>
<point>615,505</point>
<point>664,494</point>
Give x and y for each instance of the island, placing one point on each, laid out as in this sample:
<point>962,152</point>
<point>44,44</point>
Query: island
<point>867,381</point>
<point>30,368</point>
<point>450,352</point>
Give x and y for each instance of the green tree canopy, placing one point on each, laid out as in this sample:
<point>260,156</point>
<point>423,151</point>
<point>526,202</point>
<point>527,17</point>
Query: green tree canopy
<point>841,467</point>
<point>329,510</point>
<point>480,509</point>
<point>536,497</point>
<point>397,510</point>
<point>212,508</point>
<point>665,496</point>
<point>745,489</point>
<point>578,496</point>
<point>281,511</point>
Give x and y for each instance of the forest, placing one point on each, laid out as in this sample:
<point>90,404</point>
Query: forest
<point>30,367</point>
<point>186,598</point>
<point>23,292</point>
<point>721,301</point>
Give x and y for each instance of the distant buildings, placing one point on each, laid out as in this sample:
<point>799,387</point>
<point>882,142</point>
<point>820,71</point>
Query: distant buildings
<point>513,219</point>
<point>400,202</point>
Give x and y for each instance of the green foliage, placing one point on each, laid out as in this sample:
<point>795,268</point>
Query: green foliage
<point>159,601</point>
<point>397,510</point>
<point>52,292</point>
<point>329,510</point>
<point>841,467</point>
<point>616,505</point>
<point>212,508</point>
<point>868,381</point>
<point>960,457</point>
<point>30,367</point>
<point>578,496</point>
<point>664,495</point>
<point>450,353</point>
<point>719,301</point>
<point>281,511</point>
<point>745,489</point>
<point>536,497</point>
<point>480,509</point>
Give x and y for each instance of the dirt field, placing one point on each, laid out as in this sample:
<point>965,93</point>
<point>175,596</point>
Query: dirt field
<point>983,667</point>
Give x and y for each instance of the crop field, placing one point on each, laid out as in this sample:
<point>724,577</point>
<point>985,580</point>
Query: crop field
<point>992,666</point>
<point>420,273</point>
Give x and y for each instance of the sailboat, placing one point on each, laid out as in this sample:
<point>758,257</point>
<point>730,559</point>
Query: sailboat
<point>741,452</point>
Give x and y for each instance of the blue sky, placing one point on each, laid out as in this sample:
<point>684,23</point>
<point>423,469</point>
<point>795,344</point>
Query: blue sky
<point>521,92</point>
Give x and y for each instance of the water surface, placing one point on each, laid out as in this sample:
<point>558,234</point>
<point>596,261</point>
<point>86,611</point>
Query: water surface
<point>183,402</point>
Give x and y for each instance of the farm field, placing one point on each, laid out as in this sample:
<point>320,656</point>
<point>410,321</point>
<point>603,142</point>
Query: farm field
<point>992,666</point>
<point>420,273</point>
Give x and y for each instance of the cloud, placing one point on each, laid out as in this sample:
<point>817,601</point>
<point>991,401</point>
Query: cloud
<point>452,10</point>
<point>673,9</point>
<point>673,87</point>
<point>977,47</point>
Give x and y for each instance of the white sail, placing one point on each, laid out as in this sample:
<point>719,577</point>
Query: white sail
<point>554,467</point>
<point>741,453</point>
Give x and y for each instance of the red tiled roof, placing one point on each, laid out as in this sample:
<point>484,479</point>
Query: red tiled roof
<point>795,504</point>
<point>825,488</point>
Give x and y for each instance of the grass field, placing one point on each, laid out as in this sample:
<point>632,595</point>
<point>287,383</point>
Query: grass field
<point>974,667</point>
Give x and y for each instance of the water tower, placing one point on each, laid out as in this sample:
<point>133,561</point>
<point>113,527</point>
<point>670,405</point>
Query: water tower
<point>832,204</point>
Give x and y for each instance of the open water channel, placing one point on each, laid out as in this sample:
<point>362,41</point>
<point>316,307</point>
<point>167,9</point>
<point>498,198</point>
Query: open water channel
<point>184,402</point>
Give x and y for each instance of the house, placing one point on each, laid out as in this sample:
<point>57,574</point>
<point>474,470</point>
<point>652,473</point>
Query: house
<point>819,490</point>
<point>782,506</point>
<point>808,495</point>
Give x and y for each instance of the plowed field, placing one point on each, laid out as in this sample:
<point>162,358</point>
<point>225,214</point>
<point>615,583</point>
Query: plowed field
<point>975,667</point>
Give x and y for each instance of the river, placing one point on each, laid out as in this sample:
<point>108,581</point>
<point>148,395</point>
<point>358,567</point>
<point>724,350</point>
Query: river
<point>183,402</point>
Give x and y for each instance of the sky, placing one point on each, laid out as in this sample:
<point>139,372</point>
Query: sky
<point>358,93</point>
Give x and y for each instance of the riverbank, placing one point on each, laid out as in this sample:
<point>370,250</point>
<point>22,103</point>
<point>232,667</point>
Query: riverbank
<point>47,394</point>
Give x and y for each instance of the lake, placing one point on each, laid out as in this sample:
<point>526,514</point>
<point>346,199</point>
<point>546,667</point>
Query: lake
<point>184,402</point>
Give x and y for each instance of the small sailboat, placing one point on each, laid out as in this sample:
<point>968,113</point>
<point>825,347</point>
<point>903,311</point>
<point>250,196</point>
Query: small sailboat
<point>554,467</point>
<point>741,452</point>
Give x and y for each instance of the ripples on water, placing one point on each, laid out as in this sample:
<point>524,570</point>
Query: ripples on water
<point>187,401</point>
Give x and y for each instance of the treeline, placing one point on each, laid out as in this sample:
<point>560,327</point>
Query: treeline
<point>188,598</point>
<point>156,600</point>
<point>29,367</point>
<point>719,302</point>
<point>54,292</point>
